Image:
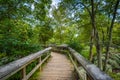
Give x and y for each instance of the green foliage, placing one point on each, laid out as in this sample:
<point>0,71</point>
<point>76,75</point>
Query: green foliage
<point>16,76</point>
<point>31,66</point>
<point>18,35</point>
<point>17,38</point>
<point>2,55</point>
<point>45,34</point>
<point>85,52</point>
<point>115,76</point>
<point>76,46</point>
<point>114,60</point>
<point>116,36</point>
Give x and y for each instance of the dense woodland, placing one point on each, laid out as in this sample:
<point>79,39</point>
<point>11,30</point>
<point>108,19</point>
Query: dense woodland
<point>91,27</point>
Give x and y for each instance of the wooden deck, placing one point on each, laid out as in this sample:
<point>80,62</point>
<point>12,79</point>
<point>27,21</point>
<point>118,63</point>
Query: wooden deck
<point>57,68</point>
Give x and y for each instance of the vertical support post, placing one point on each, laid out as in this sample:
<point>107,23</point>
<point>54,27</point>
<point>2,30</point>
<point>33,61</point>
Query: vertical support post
<point>40,62</point>
<point>85,78</point>
<point>24,73</point>
<point>76,62</point>
<point>48,53</point>
<point>88,77</point>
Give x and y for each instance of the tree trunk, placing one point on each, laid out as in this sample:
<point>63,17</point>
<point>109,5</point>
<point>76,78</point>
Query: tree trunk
<point>60,35</point>
<point>103,39</point>
<point>91,46</point>
<point>96,36</point>
<point>103,36</point>
<point>110,36</point>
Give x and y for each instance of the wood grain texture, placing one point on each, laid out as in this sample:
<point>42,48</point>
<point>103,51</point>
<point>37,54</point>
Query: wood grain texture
<point>13,67</point>
<point>58,68</point>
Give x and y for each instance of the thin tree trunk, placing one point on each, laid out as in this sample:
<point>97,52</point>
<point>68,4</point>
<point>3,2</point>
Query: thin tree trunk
<point>110,36</point>
<point>103,36</point>
<point>96,36</point>
<point>60,35</point>
<point>91,46</point>
<point>103,39</point>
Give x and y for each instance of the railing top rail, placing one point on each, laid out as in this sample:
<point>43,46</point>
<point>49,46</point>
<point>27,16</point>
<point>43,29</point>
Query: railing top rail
<point>18,64</point>
<point>90,68</point>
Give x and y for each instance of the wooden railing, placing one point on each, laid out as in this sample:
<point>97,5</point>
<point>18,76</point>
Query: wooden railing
<point>8,70</point>
<point>85,69</point>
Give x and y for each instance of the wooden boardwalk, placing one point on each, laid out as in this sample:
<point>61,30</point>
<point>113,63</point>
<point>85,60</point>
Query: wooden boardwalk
<point>57,68</point>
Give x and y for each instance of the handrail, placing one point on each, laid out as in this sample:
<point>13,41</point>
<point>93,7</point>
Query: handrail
<point>92,71</point>
<point>13,67</point>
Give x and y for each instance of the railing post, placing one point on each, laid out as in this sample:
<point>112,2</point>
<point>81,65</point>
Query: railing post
<point>88,77</point>
<point>75,62</point>
<point>24,73</point>
<point>47,53</point>
<point>40,61</point>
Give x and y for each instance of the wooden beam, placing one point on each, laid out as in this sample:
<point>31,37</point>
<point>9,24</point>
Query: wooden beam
<point>24,73</point>
<point>30,74</point>
<point>91,69</point>
<point>13,67</point>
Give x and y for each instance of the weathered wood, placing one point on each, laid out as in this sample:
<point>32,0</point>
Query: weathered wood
<point>13,67</point>
<point>30,74</point>
<point>40,62</point>
<point>94,72</point>
<point>88,77</point>
<point>76,68</point>
<point>57,68</point>
<point>40,59</point>
<point>24,73</point>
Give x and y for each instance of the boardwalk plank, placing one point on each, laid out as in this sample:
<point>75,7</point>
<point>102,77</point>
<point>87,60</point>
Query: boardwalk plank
<point>57,68</point>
